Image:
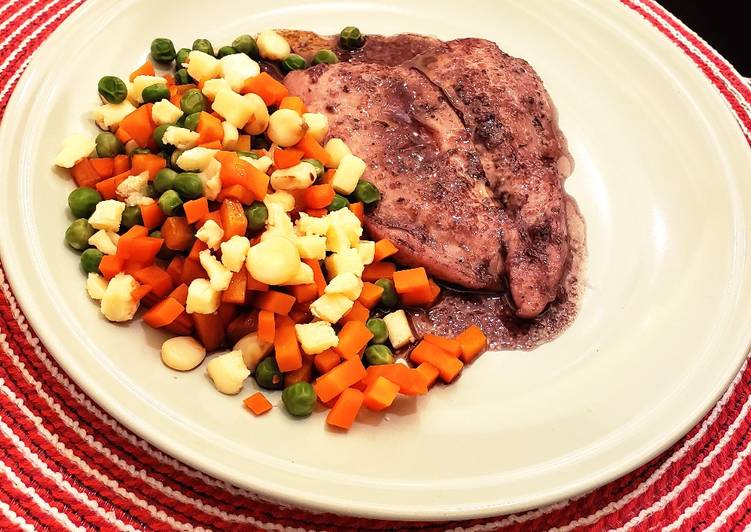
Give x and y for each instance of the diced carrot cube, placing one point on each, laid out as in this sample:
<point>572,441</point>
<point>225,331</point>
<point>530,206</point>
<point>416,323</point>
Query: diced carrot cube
<point>358,312</point>
<point>163,313</point>
<point>429,372</point>
<point>409,379</point>
<point>370,295</point>
<point>353,338</point>
<point>423,296</point>
<point>335,381</point>
<point>326,361</point>
<point>257,403</point>
<point>345,410</point>
<point>410,280</point>
<point>450,345</point>
<point>266,326</point>
<point>448,366</point>
<point>378,270</point>
<point>286,348</point>
<point>196,209</point>
<point>304,293</point>
<point>384,248</point>
<point>276,302</point>
<point>380,394</point>
<point>111,265</point>
<point>473,342</point>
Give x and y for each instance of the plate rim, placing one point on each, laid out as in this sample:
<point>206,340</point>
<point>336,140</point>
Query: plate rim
<point>334,504</point>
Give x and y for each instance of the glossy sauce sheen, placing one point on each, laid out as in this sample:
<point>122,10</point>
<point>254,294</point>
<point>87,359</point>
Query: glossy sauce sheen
<point>495,314</point>
<point>513,154</point>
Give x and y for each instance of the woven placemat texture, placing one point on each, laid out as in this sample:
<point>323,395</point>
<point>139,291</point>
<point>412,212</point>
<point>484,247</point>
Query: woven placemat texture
<point>66,464</point>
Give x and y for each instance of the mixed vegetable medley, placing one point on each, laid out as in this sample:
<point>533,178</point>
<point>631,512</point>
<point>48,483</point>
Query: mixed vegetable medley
<point>216,202</point>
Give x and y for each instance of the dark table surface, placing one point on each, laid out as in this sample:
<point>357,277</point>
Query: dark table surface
<point>722,24</point>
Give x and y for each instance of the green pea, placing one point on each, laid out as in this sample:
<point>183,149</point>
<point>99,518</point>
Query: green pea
<point>170,202</point>
<point>162,50</point>
<point>317,164</point>
<point>376,355</point>
<point>248,154</point>
<point>158,135</point>
<point>378,327</point>
<point>156,234</point>
<point>131,216</point>
<point>140,151</point>
<point>164,180</point>
<point>112,89</point>
<point>191,121</point>
<point>267,374</point>
<point>389,298</point>
<point>339,202</point>
<point>82,201</point>
<point>257,213</point>
<point>174,157</point>
<point>182,56</point>
<point>90,260</point>
<point>203,45</point>
<point>350,38</point>
<point>299,399</point>
<point>293,62</point>
<point>324,56</point>
<point>78,233</point>
<point>155,93</point>
<point>192,101</point>
<point>366,192</point>
<point>151,191</point>
<point>224,51</point>
<point>182,77</point>
<point>188,185</point>
<point>108,145</point>
<point>245,44</point>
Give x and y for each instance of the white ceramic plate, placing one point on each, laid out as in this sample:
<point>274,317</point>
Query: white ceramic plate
<point>662,179</point>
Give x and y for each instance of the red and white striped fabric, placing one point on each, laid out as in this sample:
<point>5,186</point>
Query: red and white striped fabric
<point>66,464</point>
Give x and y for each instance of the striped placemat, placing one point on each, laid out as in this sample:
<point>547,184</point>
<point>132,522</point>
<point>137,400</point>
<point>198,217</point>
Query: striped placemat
<point>66,464</point>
